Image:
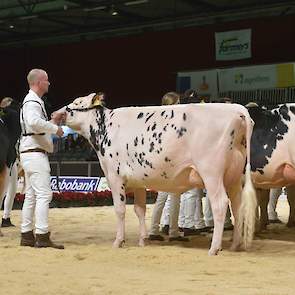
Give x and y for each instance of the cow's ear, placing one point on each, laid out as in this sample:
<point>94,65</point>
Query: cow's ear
<point>97,99</point>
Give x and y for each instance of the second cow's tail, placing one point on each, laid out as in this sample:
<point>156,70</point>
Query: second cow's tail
<point>247,213</point>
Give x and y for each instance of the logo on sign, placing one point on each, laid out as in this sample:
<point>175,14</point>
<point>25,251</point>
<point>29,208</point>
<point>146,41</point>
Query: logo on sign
<point>240,79</point>
<point>233,45</point>
<point>75,184</point>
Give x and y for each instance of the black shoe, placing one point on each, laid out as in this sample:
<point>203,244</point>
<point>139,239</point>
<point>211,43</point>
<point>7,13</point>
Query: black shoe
<point>178,239</point>
<point>165,229</point>
<point>206,229</point>
<point>275,221</point>
<point>6,222</point>
<point>156,238</point>
<point>190,231</point>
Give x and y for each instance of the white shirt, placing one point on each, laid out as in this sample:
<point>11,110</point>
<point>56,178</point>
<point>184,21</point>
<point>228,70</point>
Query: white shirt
<point>34,120</point>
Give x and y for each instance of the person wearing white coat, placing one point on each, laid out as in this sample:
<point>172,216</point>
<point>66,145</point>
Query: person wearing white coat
<point>35,144</point>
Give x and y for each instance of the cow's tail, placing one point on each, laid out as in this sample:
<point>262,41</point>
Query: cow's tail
<point>247,213</point>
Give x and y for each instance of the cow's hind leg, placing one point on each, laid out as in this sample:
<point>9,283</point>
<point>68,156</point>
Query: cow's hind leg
<point>219,203</point>
<point>140,209</point>
<point>119,198</point>
<point>291,201</point>
<point>234,194</point>
<point>3,185</point>
<point>263,199</point>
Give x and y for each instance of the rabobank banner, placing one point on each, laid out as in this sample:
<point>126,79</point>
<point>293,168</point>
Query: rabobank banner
<point>79,184</point>
<point>233,45</point>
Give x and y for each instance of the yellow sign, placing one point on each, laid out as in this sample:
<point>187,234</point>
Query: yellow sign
<point>285,75</point>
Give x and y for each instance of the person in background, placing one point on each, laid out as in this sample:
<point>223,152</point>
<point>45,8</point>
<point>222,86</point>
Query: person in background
<point>274,195</point>
<point>190,96</point>
<point>70,143</point>
<point>191,217</point>
<point>35,144</point>
<point>174,235</point>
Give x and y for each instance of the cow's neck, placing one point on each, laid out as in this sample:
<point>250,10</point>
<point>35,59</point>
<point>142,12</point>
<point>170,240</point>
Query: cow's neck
<point>98,133</point>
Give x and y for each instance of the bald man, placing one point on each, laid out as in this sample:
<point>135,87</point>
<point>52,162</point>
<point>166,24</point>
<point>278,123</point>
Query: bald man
<point>35,144</point>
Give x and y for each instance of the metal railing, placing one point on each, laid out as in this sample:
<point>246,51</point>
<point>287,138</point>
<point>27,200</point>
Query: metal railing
<point>268,97</point>
<point>76,168</point>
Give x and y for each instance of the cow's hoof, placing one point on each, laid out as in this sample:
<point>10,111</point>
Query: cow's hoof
<point>142,242</point>
<point>290,224</point>
<point>213,252</point>
<point>118,244</point>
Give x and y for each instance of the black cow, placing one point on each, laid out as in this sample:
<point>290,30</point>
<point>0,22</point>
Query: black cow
<point>273,154</point>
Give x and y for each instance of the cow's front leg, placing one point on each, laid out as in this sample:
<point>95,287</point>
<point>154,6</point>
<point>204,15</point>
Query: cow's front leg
<point>291,200</point>
<point>119,198</point>
<point>219,202</point>
<point>140,209</point>
<point>234,194</point>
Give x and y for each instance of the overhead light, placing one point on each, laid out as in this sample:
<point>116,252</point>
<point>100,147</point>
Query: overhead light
<point>113,11</point>
<point>94,8</point>
<point>11,26</point>
<point>135,2</point>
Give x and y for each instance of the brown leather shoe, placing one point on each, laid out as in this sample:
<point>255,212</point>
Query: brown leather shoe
<point>43,241</point>
<point>27,239</point>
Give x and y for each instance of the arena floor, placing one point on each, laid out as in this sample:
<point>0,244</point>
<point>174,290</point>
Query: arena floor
<point>89,265</point>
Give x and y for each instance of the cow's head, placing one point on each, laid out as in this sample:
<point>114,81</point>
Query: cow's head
<point>76,115</point>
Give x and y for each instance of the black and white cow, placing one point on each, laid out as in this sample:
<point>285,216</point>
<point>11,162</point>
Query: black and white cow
<point>9,133</point>
<point>171,148</point>
<point>273,154</point>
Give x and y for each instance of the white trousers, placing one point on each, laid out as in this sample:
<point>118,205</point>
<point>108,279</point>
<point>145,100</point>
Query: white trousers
<point>38,193</point>
<point>173,214</point>
<point>272,204</point>
<point>208,213</point>
<point>199,212</point>
<point>165,212</point>
<point>181,217</point>
<point>191,213</point>
<point>10,191</point>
